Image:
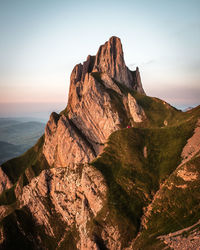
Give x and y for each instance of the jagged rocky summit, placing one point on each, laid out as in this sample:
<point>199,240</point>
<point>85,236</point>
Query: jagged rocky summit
<point>115,170</point>
<point>96,107</point>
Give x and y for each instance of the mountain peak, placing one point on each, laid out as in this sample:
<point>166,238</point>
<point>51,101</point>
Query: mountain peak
<point>109,60</point>
<point>113,48</point>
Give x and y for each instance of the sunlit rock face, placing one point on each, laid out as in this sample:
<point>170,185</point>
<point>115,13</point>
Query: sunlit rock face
<point>75,195</point>
<point>78,135</point>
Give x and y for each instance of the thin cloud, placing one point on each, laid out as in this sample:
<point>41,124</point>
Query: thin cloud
<point>134,65</point>
<point>148,62</point>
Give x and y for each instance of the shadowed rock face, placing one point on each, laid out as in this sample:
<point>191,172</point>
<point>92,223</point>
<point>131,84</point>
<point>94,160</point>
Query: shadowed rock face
<point>78,135</point>
<point>110,60</point>
<point>5,183</point>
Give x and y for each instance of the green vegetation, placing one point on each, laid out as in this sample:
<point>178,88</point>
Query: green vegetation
<point>133,179</point>
<point>176,208</point>
<point>156,110</point>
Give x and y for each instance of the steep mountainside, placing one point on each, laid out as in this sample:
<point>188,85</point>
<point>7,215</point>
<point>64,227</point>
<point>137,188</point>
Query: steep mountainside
<point>115,170</point>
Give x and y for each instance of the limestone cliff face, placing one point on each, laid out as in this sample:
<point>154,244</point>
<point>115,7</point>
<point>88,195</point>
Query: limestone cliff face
<point>64,143</point>
<point>96,107</point>
<point>75,195</point>
<point>135,110</point>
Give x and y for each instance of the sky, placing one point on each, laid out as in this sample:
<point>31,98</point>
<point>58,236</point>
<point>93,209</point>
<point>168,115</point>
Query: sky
<point>41,42</point>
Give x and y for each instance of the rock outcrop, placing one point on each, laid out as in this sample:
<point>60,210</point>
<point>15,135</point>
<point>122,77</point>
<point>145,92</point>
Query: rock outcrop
<point>64,143</point>
<point>192,147</point>
<point>5,182</point>
<point>136,111</point>
<point>75,195</point>
<point>96,107</point>
<point>187,238</point>
<point>110,60</point>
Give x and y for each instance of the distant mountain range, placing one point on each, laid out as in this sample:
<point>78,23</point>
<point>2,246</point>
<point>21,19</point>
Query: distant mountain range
<point>17,135</point>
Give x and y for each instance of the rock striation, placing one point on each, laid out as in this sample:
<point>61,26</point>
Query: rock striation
<point>75,195</point>
<point>135,110</point>
<point>78,135</point>
<point>110,60</point>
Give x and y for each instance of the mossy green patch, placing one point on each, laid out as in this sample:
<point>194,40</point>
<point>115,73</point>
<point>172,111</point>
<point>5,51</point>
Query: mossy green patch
<point>133,177</point>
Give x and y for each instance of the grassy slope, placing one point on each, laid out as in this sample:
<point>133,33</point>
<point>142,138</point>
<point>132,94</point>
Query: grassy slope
<point>133,179</point>
<point>176,208</point>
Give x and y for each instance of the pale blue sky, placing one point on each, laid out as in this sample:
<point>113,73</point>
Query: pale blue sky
<point>41,41</point>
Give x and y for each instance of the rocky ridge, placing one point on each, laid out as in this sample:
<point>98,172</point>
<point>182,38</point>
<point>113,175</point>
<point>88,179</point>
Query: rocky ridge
<point>89,118</point>
<point>76,193</point>
<point>92,183</point>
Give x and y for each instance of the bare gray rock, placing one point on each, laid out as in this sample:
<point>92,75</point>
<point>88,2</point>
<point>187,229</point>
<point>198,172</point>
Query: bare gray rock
<point>136,111</point>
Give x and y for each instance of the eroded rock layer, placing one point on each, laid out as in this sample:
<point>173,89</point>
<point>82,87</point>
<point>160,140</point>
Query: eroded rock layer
<point>96,107</point>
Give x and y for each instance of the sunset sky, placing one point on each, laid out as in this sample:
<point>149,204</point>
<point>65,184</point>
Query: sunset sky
<point>41,41</point>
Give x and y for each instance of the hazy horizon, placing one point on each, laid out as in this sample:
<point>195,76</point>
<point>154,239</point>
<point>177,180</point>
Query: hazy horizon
<point>41,42</point>
<point>40,111</point>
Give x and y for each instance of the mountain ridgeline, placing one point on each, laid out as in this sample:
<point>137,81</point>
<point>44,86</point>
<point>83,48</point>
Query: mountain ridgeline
<point>115,170</point>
